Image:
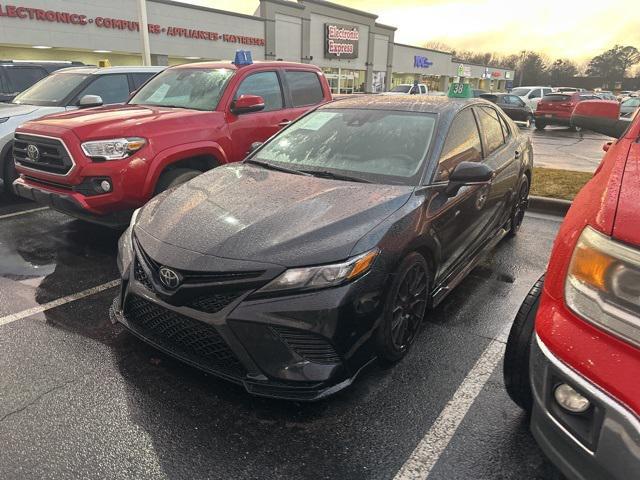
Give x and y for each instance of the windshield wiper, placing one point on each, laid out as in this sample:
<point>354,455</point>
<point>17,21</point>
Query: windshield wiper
<point>335,176</point>
<point>271,166</point>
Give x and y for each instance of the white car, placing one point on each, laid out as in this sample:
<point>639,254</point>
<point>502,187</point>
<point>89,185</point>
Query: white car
<point>66,89</point>
<point>404,88</point>
<point>531,95</point>
<point>629,106</point>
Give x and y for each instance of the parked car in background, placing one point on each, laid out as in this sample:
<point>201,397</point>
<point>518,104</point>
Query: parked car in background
<point>568,89</point>
<point>420,89</point>
<point>103,163</point>
<point>513,106</point>
<point>67,89</point>
<point>18,75</point>
<point>320,252</point>
<point>556,108</point>
<point>477,92</point>
<point>573,354</point>
<point>604,95</point>
<point>531,95</point>
<point>629,106</point>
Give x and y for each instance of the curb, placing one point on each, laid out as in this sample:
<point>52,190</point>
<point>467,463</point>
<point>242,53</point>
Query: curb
<point>552,206</point>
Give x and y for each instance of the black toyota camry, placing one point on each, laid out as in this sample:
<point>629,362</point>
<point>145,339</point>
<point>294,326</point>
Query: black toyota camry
<point>291,271</point>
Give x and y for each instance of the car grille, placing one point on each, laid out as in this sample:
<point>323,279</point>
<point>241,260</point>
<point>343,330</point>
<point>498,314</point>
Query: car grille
<point>52,155</point>
<point>141,276</point>
<point>189,339</point>
<point>308,345</point>
<point>212,303</point>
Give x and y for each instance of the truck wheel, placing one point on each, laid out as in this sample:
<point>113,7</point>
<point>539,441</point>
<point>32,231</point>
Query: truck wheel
<point>540,125</point>
<point>404,308</point>
<point>516,355</point>
<point>175,177</point>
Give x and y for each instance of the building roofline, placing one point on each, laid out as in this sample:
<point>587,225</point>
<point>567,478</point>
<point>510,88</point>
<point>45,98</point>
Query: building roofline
<point>387,27</point>
<point>457,60</point>
<point>421,48</point>
<point>285,3</point>
<point>174,3</point>
<point>324,3</point>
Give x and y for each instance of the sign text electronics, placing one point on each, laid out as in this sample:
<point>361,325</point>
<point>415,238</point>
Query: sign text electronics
<point>341,41</point>
<point>421,62</point>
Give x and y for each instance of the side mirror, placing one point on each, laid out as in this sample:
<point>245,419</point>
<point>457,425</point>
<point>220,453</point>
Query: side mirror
<point>255,146</point>
<point>247,104</point>
<point>467,173</point>
<point>602,116</point>
<point>90,101</point>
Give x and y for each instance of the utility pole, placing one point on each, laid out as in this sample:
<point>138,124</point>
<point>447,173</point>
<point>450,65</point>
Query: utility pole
<point>524,53</point>
<point>144,32</point>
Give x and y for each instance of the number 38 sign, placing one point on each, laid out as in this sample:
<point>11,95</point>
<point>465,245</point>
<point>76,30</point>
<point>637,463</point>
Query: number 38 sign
<point>460,90</point>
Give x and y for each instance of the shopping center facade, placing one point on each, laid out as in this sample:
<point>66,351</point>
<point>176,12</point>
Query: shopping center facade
<point>356,53</point>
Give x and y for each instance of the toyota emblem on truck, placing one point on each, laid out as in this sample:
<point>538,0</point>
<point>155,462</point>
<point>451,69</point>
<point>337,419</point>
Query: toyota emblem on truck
<point>33,153</point>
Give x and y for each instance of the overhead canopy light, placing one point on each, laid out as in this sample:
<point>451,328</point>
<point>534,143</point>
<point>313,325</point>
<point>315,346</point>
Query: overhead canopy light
<point>41,47</point>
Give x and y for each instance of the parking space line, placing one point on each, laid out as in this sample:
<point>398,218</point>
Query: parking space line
<point>56,303</point>
<point>23,212</point>
<point>433,444</point>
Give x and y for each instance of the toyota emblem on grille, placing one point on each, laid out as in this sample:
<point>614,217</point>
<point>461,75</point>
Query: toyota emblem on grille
<point>169,278</point>
<point>33,153</point>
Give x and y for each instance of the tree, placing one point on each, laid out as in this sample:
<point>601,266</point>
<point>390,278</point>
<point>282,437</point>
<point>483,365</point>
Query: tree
<point>532,69</point>
<point>613,64</point>
<point>561,70</point>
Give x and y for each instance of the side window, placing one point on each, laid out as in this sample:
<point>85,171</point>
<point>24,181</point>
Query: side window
<point>506,130</point>
<point>505,100</point>
<point>113,88</point>
<point>139,78</point>
<point>21,78</point>
<point>305,88</point>
<point>546,90</point>
<point>535,93</point>
<point>491,129</point>
<point>517,101</point>
<point>423,89</point>
<point>462,145</point>
<point>266,85</point>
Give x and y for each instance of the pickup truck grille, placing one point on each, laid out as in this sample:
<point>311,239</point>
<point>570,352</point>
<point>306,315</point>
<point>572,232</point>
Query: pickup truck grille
<point>44,154</point>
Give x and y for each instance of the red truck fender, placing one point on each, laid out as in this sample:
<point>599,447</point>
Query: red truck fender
<point>178,153</point>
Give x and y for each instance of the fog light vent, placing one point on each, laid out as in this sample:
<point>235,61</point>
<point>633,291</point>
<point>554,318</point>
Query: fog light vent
<point>570,400</point>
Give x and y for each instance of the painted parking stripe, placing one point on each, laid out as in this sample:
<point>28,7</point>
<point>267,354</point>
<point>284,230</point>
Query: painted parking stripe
<point>56,303</point>
<point>426,454</point>
<point>23,212</point>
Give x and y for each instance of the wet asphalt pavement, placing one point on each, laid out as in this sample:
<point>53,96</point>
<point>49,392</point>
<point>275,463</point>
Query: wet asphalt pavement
<point>80,398</point>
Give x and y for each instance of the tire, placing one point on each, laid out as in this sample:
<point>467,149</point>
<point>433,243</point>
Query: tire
<point>175,177</point>
<point>9,174</point>
<point>519,208</point>
<point>540,125</point>
<point>516,355</point>
<point>404,308</point>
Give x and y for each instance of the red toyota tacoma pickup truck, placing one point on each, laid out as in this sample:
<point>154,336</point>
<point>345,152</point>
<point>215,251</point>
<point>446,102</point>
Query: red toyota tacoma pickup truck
<point>102,163</point>
<point>573,355</point>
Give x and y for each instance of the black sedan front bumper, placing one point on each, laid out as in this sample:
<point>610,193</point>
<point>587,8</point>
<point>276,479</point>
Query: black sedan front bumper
<point>302,346</point>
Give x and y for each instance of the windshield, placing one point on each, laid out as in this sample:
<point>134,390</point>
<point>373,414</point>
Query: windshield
<point>520,92</point>
<point>194,88</point>
<point>380,146</point>
<point>51,91</point>
<point>401,88</point>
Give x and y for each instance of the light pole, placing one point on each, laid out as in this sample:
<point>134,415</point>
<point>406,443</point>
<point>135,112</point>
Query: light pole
<point>524,53</point>
<point>144,32</point>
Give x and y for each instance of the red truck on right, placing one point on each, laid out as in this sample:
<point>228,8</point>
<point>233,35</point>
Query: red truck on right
<point>573,355</point>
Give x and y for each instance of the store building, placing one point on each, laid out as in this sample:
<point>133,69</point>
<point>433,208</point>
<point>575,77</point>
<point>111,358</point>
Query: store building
<point>356,53</point>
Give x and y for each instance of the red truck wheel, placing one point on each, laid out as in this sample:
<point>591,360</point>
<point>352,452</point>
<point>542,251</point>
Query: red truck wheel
<point>175,177</point>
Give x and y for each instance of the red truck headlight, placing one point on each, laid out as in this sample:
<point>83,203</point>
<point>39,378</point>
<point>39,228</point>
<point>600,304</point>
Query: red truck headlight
<point>603,284</point>
<point>114,149</point>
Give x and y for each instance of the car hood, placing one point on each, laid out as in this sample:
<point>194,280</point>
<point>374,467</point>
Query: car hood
<point>119,120</point>
<point>625,228</point>
<point>14,110</point>
<point>246,212</point>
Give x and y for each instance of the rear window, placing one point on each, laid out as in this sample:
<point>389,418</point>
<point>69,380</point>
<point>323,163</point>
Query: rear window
<point>491,98</point>
<point>21,78</point>
<point>556,97</point>
<point>305,88</point>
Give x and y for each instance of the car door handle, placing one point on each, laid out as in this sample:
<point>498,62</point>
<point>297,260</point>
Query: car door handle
<point>284,123</point>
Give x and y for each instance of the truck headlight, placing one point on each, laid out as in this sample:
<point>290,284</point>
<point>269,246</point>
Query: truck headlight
<point>322,276</point>
<point>603,284</point>
<point>115,149</point>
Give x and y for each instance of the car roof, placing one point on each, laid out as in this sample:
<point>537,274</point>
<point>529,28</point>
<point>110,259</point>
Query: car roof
<point>408,103</point>
<point>230,65</point>
<point>108,70</point>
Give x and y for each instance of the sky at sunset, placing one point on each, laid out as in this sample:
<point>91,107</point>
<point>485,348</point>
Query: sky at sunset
<point>565,28</point>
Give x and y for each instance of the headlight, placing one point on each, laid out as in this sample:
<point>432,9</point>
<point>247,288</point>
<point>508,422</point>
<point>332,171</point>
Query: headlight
<point>115,149</point>
<point>603,284</point>
<point>323,276</point>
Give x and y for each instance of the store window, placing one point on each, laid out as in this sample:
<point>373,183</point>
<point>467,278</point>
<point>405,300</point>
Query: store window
<point>342,80</point>
<point>305,88</point>
<point>266,85</point>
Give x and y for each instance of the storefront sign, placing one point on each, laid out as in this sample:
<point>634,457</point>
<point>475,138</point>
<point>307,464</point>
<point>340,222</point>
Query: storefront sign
<point>421,62</point>
<point>496,74</point>
<point>341,41</point>
<point>507,75</point>
<point>80,20</point>
<point>464,70</point>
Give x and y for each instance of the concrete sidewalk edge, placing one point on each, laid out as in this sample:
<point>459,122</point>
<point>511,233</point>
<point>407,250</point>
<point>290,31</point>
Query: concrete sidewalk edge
<point>552,206</point>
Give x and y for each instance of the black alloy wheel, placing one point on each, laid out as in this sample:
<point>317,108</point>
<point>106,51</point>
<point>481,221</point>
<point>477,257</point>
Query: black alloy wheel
<point>540,125</point>
<point>519,208</point>
<point>405,308</point>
